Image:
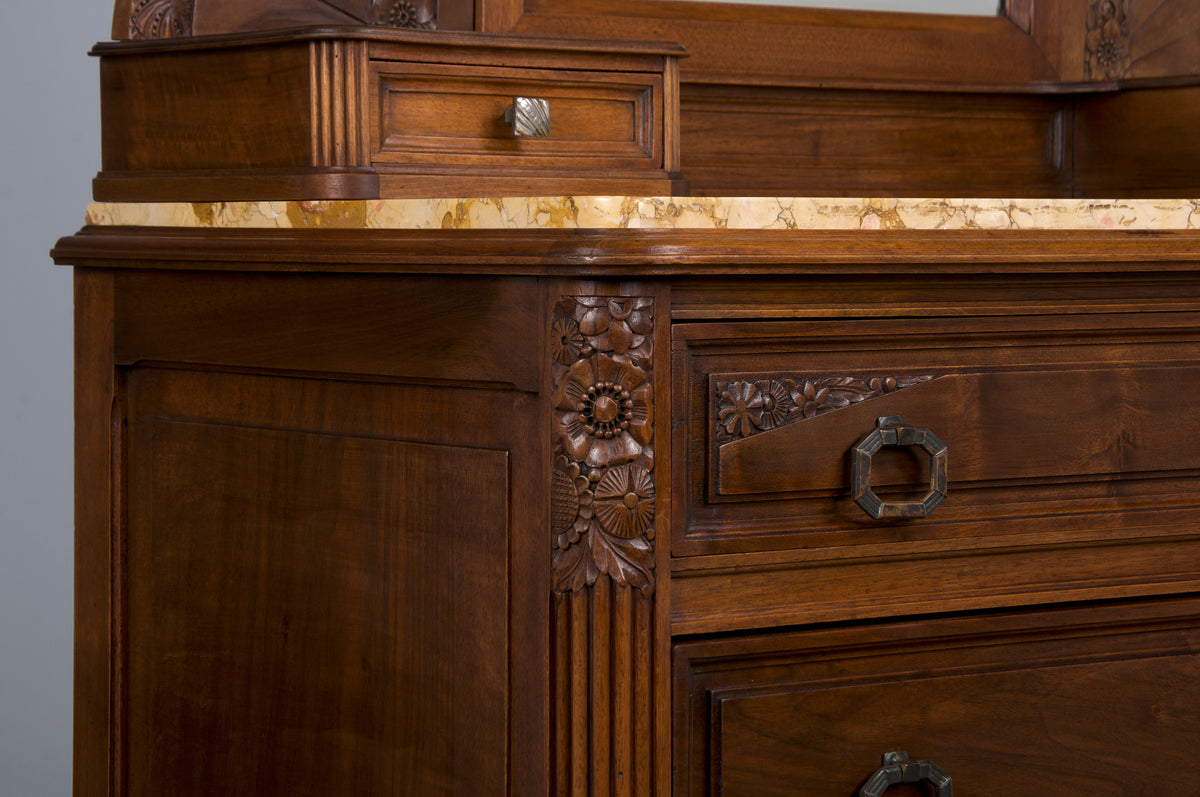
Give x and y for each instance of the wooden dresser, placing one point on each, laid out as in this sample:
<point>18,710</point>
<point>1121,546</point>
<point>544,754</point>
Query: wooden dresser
<point>484,411</point>
<point>558,496</point>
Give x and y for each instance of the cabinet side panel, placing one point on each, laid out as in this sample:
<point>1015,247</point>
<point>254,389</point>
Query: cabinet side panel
<point>94,482</point>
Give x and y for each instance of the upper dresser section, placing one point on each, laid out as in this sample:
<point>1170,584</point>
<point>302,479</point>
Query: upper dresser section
<point>359,113</point>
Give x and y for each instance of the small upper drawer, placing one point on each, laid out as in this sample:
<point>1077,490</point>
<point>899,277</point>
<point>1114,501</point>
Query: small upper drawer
<point>593,119</point>
<point>441,115</point>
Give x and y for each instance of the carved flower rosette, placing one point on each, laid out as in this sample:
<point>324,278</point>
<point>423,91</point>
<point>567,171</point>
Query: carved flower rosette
<point>602,504</point>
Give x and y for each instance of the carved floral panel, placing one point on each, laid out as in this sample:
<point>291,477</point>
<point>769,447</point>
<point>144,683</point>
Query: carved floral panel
<point>603,484</point>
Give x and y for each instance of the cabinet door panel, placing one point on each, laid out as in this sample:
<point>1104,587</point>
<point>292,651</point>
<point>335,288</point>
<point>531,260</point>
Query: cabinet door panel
<point>311,605</point>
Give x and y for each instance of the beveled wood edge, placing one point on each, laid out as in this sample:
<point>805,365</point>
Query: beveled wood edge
<point>441,40</point>
<point>630,252</point>
<point>222,185</point>
<point>1052,589</point>
<point>1110,617</point>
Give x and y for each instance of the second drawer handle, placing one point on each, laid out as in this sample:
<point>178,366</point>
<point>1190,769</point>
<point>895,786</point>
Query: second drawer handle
<point>898,769</point>
<point>893,432</point>
<point>529,116</point>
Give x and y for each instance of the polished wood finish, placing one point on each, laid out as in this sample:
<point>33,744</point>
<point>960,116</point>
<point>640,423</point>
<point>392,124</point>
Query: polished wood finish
<point>1137,143</point>
<point>772,100</point>
<point>280,422</point>
<point>1075,701</point>
<point>99,723</point>
<point>363,113</point>
<point>322,598</point>
<point>569,512</point>
<point>852,142</point>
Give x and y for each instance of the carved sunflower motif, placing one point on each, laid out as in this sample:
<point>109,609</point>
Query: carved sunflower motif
<point>566,341</point>
<point>624,502</point>
<point>604,404</point>
<point>571,503</point>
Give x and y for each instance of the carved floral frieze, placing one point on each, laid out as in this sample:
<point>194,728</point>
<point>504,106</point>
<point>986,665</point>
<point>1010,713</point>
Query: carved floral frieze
<point>602,501</point>
<point>748,405</point>
<point>1106,44</point>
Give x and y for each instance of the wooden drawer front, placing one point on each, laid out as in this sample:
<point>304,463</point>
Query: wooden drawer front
<point>1074,702</point>
<point>1050,422</point>
<point>443,116</point>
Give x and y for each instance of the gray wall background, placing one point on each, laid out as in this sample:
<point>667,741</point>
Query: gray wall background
<point>49,152</point>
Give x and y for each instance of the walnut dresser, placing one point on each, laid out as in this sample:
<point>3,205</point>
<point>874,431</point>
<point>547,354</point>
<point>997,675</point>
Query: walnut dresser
<point>502,398</point>
<point>618,495</point>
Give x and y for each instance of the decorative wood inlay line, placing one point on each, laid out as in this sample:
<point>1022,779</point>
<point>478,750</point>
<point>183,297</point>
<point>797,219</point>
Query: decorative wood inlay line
<point>339,94</point>
<point>161,19</point>
<point>1106,45</point>
<point>748,405</point>
<point>415,15</point>
<point>603,485</point>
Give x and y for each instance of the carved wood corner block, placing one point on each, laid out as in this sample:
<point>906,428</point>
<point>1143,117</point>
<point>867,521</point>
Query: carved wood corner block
<point>603,483</point>
<point>746,404</point>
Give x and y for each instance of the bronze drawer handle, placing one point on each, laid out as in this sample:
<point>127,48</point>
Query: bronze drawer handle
<point>529,116</point>
<point>898,769</point>
<point>893,432</point>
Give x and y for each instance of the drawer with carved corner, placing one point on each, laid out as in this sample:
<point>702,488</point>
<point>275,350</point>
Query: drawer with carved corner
<point>838,469</point>
<point>1073,701</point>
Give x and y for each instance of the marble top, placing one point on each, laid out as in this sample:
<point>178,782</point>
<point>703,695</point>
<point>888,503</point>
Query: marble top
<point>690,213</point>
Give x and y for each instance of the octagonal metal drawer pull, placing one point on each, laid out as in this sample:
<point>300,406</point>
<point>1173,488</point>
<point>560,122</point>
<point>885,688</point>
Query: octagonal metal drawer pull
<point>892,431</point>
<point>898,769</point>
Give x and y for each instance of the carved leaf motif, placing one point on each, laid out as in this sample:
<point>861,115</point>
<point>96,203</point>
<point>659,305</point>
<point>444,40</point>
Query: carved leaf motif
<point>627,562</point>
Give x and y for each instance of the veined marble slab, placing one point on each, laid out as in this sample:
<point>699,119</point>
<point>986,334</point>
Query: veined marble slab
<point>692,213</point>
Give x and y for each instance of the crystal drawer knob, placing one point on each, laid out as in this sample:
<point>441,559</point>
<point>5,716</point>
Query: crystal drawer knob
<point>529,116</point>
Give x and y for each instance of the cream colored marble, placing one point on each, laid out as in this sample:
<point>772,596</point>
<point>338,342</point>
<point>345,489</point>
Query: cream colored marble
<point>691,213</point>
